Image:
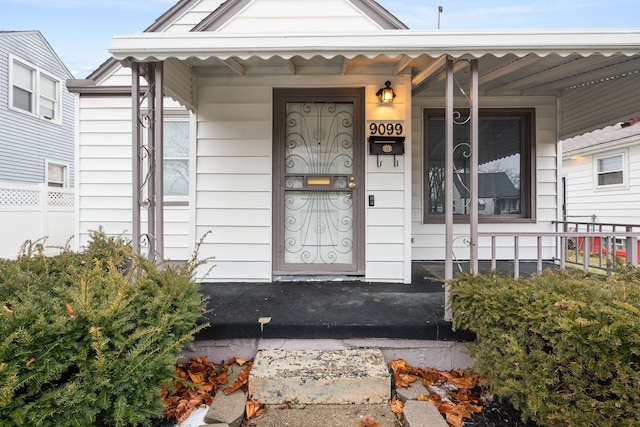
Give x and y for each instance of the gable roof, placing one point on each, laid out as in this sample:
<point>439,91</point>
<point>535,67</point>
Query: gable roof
<point>233,8</point>
<point>584,68</point>
<point>230,8</point>
<point>490,185</point>
<point>45,43</point>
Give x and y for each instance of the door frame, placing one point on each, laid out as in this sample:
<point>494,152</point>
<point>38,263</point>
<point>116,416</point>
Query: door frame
<point>281,96</point>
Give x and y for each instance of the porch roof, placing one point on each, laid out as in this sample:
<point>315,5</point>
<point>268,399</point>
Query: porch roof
<point>511,62</point>
<point>389,43</point>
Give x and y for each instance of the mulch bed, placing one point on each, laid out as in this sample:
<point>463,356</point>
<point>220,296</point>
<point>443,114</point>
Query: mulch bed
<point>498,414</point>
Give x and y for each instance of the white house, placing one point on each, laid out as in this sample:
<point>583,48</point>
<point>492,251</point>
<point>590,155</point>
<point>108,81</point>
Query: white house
<point>277,139</point>
<point>37,123</point>
<point>600,169</point>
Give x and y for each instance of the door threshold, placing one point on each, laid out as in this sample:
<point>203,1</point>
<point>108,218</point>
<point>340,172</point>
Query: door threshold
<point>317,278</point>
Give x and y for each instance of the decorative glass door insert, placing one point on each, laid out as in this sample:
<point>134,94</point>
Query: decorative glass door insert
<point>319,182</point>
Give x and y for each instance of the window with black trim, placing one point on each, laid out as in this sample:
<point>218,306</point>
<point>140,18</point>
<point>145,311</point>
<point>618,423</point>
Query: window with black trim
<point>506,165</point>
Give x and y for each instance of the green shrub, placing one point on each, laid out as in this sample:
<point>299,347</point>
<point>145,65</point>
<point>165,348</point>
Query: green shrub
<point>562,347</point>
<point>90,339</point>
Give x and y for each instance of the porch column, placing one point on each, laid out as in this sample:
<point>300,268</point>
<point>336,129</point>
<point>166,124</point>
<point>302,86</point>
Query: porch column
<point>147,115</point>
<point>473,170</point>
<point>448,188</point>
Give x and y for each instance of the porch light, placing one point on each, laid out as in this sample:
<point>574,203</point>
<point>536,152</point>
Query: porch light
<point>386,93</point>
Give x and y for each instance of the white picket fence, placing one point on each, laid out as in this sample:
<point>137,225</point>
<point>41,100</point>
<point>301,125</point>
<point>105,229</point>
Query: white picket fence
<point>32,212</point>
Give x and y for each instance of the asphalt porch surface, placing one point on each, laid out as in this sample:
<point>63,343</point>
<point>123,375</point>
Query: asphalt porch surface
<point>338,309</point>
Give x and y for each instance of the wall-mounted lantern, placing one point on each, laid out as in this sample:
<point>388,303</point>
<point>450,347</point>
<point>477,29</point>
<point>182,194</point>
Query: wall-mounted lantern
<point>386,93</point>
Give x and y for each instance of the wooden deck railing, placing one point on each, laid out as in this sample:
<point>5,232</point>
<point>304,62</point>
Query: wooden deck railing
<point>598,248</point>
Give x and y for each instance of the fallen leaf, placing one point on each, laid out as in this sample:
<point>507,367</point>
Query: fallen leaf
<point>7,309</point>
<point>433,398</point>
<point>460,379</point>
<point>195,384</point>
<point>397,407</point>
<point>30,362</point>
<point>455,420</point>
<point>243,378</point>
<point>368,421</point>
<point>251,408</point>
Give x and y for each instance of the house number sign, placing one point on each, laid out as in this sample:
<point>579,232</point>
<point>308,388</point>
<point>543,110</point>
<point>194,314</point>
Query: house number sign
<point>386,137</point>
<point>386,128</point>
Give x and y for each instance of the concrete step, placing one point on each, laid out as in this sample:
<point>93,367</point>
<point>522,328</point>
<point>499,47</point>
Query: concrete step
<point>353,376</point>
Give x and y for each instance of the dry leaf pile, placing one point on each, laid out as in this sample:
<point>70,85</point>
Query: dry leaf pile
<point>455,393</point>
<point>368,421</point>
<point>196,383</point>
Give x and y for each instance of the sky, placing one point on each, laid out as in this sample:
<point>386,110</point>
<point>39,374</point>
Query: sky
<point>80,31</point>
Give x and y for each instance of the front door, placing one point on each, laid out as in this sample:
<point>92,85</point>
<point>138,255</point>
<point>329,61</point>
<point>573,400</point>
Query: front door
<point>318,181</point>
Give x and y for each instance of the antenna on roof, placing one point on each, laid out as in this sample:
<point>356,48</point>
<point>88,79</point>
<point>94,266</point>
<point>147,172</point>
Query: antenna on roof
<point>440,9</point>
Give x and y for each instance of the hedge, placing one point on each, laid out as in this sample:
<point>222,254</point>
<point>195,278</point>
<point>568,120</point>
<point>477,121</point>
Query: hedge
<point>563,347</point>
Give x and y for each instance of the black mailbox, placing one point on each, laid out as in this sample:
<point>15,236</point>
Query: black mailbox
<point>386,145</point>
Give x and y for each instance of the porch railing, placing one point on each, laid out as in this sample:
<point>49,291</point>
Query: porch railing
<point>599,246</point>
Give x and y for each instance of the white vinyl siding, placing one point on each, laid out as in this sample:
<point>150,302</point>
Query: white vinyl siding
<point>104,168</point>
<point>234,179</point>
<point>271,16</point>
<point>616,204</point>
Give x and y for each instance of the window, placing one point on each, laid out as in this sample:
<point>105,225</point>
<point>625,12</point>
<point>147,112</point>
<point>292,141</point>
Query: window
<point>505,165</point>
<point>23,87</point>
<point>34,91</point>
<point>610,170</point>
<point>176,157</point>
<point>48,97</point>
<point>56,174</point>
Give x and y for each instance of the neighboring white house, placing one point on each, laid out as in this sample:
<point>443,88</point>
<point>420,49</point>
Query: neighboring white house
<point>37,140</point>
<point>601,170</point>
<point>295,164</point>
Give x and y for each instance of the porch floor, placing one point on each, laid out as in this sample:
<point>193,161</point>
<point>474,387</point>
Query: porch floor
<point>337,309</point>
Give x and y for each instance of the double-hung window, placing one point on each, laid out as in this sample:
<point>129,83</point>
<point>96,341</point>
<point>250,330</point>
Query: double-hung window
<point>610,170</point>
<point>33,91</point>
<point>506,165</point>
<point>56,174</point>
<point>176,156</point>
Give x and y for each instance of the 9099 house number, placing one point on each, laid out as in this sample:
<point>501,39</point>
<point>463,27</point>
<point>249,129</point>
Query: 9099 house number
<point>386,128</point>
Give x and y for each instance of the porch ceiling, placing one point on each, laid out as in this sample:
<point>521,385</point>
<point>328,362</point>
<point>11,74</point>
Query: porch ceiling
<point>541,63</point>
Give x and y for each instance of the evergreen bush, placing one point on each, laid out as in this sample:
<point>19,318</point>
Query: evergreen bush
<point>90,339</point>
<point>562,347</point>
